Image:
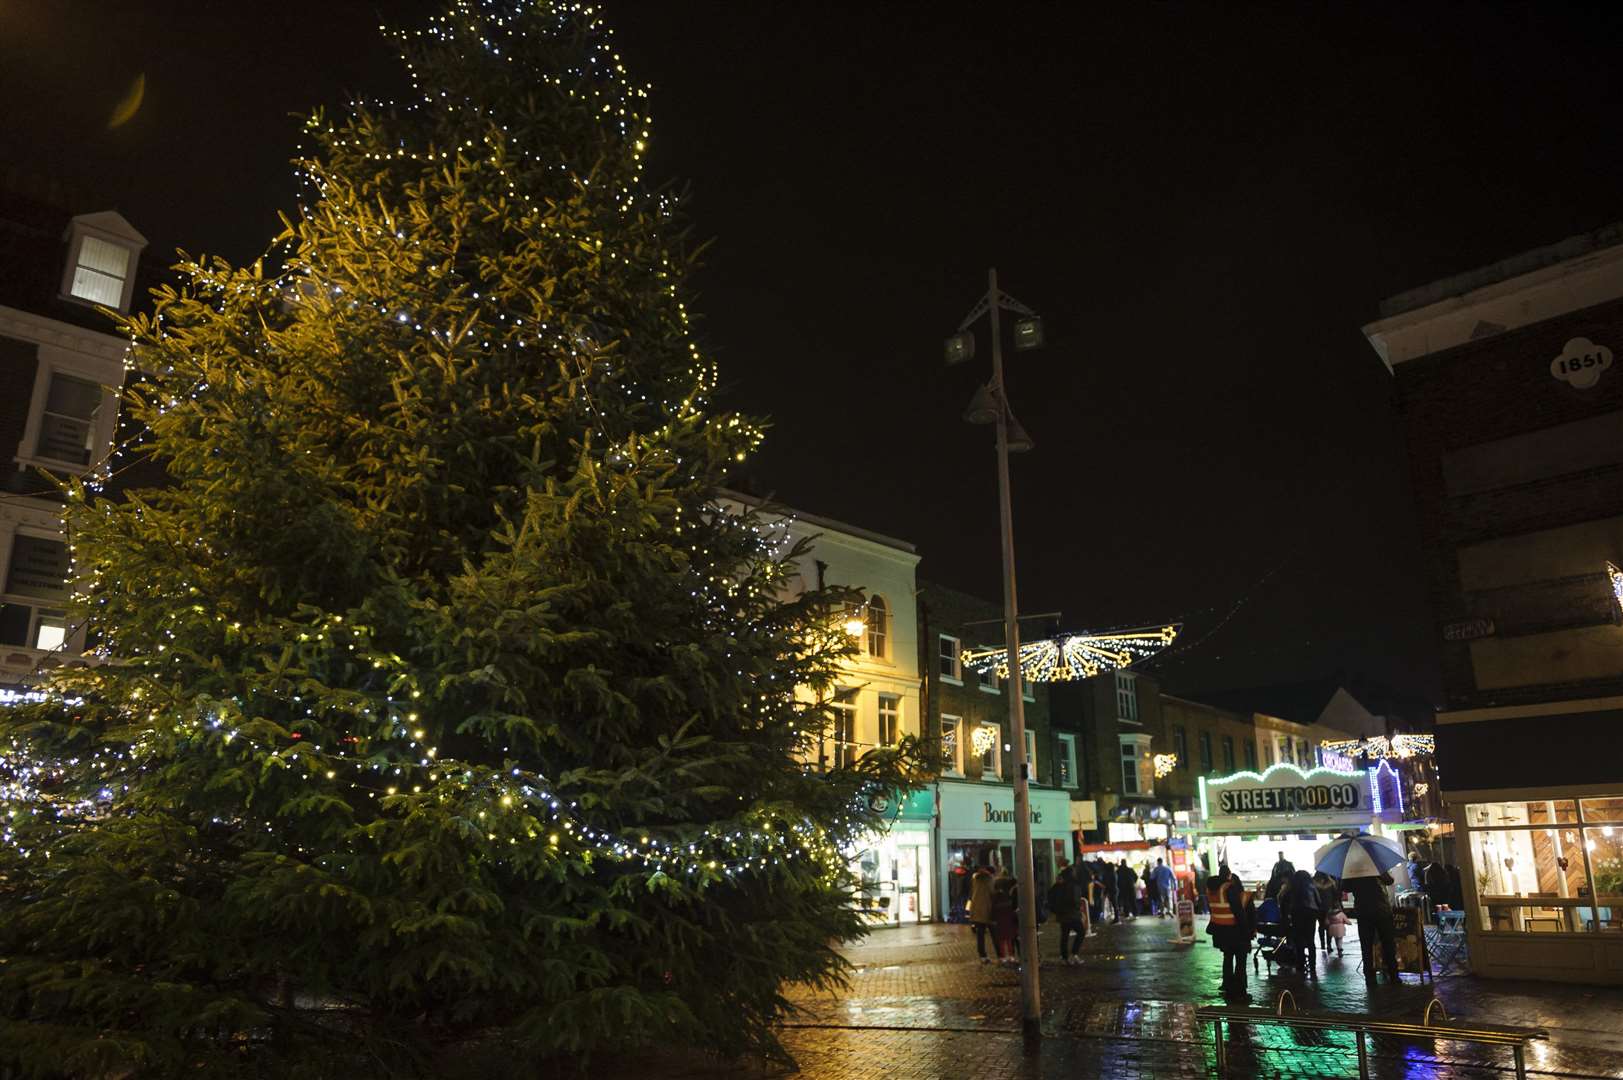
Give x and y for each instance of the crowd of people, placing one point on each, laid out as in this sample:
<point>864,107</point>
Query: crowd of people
<point>1297,914</point>
<point>1082,896</point>
<point>1301,914</point>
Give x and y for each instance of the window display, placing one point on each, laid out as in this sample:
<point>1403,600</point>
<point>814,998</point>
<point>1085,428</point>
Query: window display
<point>1547,865</point>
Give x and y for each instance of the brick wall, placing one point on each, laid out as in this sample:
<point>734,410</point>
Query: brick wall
<point>947,611</point>
<point>1498,388</point>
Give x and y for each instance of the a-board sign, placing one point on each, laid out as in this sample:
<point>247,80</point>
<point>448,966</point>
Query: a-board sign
<point>1186,921</point>
<point>1409,928</point>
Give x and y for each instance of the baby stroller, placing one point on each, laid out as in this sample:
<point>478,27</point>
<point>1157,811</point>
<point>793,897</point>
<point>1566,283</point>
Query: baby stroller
<point>1270,934</point>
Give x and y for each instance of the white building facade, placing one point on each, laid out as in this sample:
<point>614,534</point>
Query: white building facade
<point>60,379</point>
<point>876,699</point>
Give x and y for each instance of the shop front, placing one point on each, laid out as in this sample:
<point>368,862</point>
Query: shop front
<point>1535,795</point>
<point>977,826</point>
<point>1544,885</point>
<point>893,868</point>
<point>1250,820</point>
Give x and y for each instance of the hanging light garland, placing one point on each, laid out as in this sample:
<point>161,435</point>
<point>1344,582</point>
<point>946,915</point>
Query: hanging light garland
<point>1075,656</point>
<point>1405,745</point>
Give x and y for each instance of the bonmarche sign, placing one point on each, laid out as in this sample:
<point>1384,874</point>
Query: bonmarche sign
<point>1007,816</point>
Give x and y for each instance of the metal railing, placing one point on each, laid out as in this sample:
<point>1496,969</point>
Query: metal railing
<point>1516,1038</point>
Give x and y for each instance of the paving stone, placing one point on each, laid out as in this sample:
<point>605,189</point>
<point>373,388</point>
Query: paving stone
<point>920,1005</point>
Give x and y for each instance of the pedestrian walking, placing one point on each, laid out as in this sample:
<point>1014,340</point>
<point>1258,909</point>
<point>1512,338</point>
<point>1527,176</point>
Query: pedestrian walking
<point>1006,919</point>
<point>1332,916</point>
<point>1372,909</point>
<point>1162,876</point>
<point>1299,907</point>
<point>1231,926</point>
<point>1065,901</point>
<point>1277,877</point>
<point>980,907</point>
<point>1126,902</point>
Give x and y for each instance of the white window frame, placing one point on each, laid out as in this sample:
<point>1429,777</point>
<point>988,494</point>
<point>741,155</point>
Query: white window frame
<point>109,228</point>
<point>846,701</point>
<point>1144,772</point>
<point>877,611</point>
<point>1031,755</point>
<point>989,682</point>
<point>53,361</point>
<point>995,770</point>
<point>956,676</point>
<point>952,765</point>
<point>1125,758</point>
<point>45,526</point>
<point>1067,758</point>
<point>895,716</point>
<point>1127,697</point>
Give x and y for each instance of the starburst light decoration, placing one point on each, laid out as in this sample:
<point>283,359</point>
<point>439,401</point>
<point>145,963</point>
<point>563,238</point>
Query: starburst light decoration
<point>1075,656</point>
<point>1164,764</point>
<point>1379,746</point>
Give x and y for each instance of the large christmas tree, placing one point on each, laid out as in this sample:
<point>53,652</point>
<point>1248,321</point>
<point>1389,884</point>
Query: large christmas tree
<point>441,705</point>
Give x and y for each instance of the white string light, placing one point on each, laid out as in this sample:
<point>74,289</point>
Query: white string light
<point>1074,656</point>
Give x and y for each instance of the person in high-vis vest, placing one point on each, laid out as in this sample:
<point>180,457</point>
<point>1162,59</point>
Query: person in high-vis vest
<point>1230,926</point>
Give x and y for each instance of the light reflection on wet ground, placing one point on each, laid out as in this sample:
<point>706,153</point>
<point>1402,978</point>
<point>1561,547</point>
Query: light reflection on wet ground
<point>919,1005</point>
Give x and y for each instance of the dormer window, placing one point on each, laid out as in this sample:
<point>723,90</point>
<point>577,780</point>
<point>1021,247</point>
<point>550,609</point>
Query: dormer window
<point>101,254</point>
<point>100,272</point>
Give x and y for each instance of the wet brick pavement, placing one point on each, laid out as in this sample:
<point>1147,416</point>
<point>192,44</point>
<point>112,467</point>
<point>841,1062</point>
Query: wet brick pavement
<point>920,1006</point>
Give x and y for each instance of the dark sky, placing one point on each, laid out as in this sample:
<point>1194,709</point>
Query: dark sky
<point>1205,202</point>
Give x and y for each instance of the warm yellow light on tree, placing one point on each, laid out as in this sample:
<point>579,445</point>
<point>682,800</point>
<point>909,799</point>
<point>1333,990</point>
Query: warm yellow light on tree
<point>855,627</point>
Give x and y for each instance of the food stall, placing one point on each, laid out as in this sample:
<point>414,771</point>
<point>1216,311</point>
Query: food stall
<point>1249,819</point>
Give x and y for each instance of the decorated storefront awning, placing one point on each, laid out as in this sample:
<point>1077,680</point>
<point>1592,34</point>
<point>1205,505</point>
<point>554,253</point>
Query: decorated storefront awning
<point>1075,656</point>
<point>1286,798</point>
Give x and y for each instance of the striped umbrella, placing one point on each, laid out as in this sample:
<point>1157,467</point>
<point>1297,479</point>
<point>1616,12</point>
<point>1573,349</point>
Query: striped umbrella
<point>1360,856</point>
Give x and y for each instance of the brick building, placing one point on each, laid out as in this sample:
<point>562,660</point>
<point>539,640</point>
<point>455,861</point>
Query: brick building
<point>1512,404</point>
<point>974,797</point>
<point>61,369</point>
<point>1116,717</point>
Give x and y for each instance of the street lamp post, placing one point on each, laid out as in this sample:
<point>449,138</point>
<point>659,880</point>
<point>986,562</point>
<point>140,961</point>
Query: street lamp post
<point>990,406</point>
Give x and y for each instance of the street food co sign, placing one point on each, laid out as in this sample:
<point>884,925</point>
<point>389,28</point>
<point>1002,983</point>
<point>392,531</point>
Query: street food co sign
<point>1285,792</point>
<point>1289,800</point>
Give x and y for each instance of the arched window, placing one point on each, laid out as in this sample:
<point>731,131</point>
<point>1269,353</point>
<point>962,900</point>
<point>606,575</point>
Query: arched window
<point>877,615</point>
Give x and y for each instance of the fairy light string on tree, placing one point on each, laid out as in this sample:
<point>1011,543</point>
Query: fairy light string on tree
<point>436,682</point>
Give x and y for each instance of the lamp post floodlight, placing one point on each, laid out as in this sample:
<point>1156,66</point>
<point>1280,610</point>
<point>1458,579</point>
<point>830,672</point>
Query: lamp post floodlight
<point>990,406</point>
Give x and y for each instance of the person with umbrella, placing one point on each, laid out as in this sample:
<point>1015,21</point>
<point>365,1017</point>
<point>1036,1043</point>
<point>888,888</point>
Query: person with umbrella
<point>1363,863</point>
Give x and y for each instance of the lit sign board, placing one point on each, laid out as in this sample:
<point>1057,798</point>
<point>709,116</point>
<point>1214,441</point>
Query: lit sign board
<point>1287,792</point>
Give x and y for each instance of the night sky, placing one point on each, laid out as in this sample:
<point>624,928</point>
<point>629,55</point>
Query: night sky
<point>1204,202</point>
